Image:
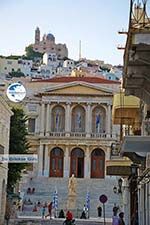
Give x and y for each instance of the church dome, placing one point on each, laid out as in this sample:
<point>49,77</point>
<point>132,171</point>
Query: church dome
<point>50,37</point>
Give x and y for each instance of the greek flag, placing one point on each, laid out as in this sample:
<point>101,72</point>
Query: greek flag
<point>55,200</point>
<point>88,201</point>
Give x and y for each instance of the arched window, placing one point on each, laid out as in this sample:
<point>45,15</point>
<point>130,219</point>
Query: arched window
<point>77,163</point>
<point>98,120</point>
<point>58,119</point>
<point>56,162</point>
<point>78,119</point>
<point>97,163</point>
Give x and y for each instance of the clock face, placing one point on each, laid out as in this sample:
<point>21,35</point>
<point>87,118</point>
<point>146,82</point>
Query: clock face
<point>16,92</point>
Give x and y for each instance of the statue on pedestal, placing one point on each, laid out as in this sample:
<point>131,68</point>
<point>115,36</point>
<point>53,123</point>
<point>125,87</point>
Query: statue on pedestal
<point>72,185</point>
<point>71,203</point>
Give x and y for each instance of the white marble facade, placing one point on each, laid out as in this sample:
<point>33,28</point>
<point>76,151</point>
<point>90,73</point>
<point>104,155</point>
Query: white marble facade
<point>73,132</point>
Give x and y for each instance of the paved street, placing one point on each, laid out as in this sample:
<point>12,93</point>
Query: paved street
<point>38,221</point>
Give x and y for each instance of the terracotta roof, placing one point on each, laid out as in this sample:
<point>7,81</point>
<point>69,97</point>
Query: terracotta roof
<point>71,79</point>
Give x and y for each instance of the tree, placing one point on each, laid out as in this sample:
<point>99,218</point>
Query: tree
<point>31,54</point>
<point>16,57</point>
<point>16,74</point>
<point>17,145</point>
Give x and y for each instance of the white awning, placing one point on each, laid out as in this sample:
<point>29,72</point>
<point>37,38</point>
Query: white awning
<point>137,144</point>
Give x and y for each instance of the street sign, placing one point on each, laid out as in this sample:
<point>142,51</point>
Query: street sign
<point>103,199</point>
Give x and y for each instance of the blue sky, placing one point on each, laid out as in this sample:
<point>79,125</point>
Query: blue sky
<point>94,22</point>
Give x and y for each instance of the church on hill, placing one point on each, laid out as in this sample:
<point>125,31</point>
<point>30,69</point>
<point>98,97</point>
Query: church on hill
<point>47,44</point>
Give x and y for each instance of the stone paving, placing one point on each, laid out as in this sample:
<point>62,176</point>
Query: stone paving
<point>39,221</point>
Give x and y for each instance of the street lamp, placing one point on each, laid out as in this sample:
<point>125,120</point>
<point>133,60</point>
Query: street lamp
<point>134,168</point>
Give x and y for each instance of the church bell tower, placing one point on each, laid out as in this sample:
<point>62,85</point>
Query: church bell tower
<point>37,35</point>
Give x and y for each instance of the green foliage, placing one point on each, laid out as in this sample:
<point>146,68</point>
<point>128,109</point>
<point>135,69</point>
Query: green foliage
<point>16,74</point>
<point>104,68</point>
<point>16,57</point>
<point>17,145</point>
<point>31,54</point>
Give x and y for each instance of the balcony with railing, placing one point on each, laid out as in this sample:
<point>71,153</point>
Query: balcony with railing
<point>81,135</point>
<point>125,113</point>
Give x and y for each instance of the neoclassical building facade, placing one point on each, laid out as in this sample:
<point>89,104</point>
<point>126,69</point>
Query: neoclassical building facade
<point>70,126</point>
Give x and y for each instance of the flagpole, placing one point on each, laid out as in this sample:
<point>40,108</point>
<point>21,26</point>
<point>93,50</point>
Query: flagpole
<point>88,203</point>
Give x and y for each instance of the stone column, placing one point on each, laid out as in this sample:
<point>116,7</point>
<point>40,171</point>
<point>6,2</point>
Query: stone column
<point>87,162</point>
<point>126,195</point>
<point>38,121</point>
<point>88,120</point>
<point>109,120</point>
<point>48,113</point>
<point>68,118</point>
<point>42,120</point>
<point>66,162</point>
<point>40,161</point>
<point>46,162</point>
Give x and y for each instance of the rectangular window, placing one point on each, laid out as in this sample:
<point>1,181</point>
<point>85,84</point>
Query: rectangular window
<point>101,165</point>
<point>53,164</point>
<point>94,164</point>
<point>73,165</point>
<point>31,125</point>
<point>60,164</point>
<point>32,107</point>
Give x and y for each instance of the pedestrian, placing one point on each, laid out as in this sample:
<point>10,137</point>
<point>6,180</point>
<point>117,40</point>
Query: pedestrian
<point>39,203</point>
<point>34,208</point>
<point>50,206</point>
<point>43,212</point>
<point>99,210</point>
<point>83,215</point>
<point>61,214</point>
<point>115,210</point>
<point>33,190</point>
<point>115,220</point>
<point>121,220</point>
<point>69,216</point>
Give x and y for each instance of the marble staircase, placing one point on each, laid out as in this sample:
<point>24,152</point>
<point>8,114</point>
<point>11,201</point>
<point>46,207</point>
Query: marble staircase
<point>45,187</point>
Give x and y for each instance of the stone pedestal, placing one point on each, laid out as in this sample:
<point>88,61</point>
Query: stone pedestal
<point>71,202</point>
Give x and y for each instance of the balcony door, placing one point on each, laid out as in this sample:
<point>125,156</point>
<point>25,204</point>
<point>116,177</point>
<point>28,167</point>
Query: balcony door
<point>77,163</point>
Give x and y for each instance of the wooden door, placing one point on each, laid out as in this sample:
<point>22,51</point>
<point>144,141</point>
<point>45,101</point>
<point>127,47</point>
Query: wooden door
<point>77,163</point>
<point>97,164</point>
<point>56,163</point>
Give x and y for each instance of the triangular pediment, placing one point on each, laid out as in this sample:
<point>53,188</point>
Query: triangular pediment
<point>77,88</point>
